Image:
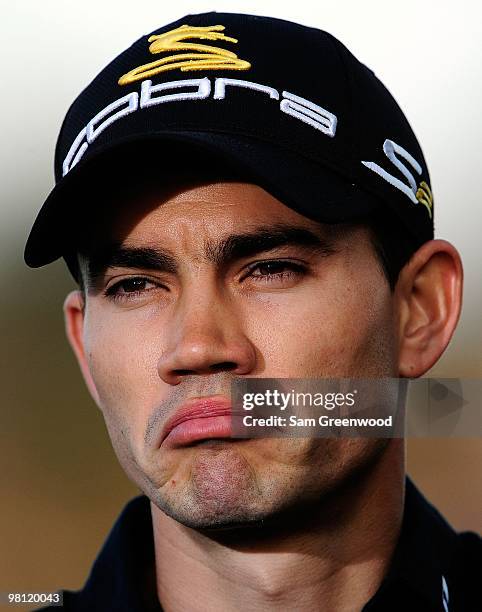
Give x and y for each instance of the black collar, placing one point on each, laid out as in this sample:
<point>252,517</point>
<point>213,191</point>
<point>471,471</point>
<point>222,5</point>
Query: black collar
<point>420,565</point>
<point>123,575</point>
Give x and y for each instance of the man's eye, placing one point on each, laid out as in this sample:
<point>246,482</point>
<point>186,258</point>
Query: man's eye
<point>275,270</point>
<point>130,287</point>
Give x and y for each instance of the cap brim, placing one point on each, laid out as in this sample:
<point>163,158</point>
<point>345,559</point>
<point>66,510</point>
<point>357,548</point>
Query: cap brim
<point>302,184</point>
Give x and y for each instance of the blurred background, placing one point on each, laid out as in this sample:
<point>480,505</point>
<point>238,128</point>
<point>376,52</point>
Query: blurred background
<point>61,485</point>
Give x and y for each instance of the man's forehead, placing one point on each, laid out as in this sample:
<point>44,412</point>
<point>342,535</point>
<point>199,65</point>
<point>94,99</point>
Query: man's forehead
<point>208,190</point>
<point>225,250</point>
<point>171,212</point>
<point>225,245</point>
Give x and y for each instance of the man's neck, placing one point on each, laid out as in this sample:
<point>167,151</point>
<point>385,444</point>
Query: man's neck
<point>333,559</point>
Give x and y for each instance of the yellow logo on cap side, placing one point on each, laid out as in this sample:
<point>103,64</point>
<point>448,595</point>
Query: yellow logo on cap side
<point>425,197</point>
<point>201,57</point>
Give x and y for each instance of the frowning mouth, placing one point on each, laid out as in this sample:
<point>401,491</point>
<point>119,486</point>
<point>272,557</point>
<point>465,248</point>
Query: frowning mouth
<point>201,418</point>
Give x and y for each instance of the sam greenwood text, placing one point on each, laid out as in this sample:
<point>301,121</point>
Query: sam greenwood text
<point>321,421</point>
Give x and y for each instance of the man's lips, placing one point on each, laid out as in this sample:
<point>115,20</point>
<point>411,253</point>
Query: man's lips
<point>198,419</point>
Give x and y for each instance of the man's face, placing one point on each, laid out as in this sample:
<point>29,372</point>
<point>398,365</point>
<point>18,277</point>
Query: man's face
<point>221,280</point>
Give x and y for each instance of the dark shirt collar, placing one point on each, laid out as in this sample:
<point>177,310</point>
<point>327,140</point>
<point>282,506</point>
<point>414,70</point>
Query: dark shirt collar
<point>421,559</point>
<point>123,575</point>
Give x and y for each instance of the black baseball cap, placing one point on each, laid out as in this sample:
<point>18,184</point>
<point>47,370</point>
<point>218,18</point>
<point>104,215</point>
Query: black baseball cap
<point>288,105</point>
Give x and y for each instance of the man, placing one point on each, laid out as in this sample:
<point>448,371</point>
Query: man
<point>240,197</point>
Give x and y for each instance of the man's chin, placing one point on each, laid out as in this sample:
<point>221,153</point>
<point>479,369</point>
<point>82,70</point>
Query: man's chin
<point>223,486</point>
<point>221,525</point>
<point>214,486</point>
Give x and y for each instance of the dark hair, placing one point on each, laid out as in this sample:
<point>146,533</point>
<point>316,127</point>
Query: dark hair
<point>392,243</point>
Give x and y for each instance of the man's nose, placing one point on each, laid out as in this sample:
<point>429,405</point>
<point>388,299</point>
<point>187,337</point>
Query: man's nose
<point>206,337</point>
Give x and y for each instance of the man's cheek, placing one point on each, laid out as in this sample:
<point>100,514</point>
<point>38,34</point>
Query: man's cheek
<point>305,342</point>
<point>112,370</point>
<point>111,349</point>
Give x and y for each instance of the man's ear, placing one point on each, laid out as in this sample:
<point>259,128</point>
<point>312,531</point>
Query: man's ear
<point>429,299</point>
<point>74,326</point>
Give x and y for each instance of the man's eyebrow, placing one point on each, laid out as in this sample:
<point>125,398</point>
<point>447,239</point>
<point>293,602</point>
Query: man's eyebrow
<point>118,256</point>
<point>267,238</point>
<point>222,252</point>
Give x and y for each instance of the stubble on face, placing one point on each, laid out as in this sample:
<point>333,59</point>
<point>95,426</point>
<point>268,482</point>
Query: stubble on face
<point>228,487</point>
<point>338,322</point>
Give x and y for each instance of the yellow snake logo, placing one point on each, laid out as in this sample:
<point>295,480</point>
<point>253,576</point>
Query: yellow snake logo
<point>200,56</point>
<point>424,196</point>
